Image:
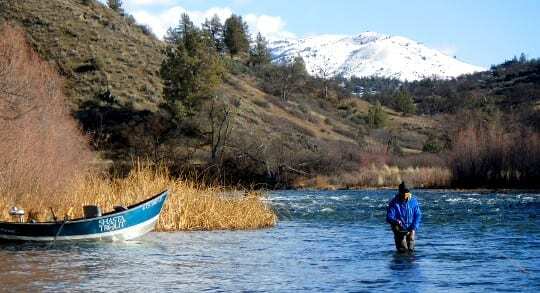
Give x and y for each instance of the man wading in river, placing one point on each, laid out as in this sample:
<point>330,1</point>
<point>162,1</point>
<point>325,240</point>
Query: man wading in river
<point>403,214</point>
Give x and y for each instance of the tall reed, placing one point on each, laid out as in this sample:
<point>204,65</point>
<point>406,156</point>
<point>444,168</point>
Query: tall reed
<point>381,176</point>
<point>189,206</point>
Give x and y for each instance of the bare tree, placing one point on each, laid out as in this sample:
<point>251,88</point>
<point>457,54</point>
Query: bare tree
<point>324,74</point>
<point>284,79</point>
<point>219,119</point>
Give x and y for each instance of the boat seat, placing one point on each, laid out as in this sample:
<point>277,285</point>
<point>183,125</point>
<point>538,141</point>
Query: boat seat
<point>120,208</point>
<point>91,211</point>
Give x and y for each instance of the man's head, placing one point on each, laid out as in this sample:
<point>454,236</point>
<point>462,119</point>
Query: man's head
<point>404,193</point>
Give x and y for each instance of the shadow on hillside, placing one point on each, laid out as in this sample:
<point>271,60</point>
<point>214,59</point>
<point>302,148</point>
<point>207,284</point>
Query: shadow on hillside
<point>121,130</point>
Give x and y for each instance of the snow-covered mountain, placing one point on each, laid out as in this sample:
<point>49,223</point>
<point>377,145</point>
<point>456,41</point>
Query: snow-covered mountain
<point>370,54</point>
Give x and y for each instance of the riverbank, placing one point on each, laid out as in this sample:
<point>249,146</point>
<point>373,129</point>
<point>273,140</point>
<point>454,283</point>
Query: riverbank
<point>189,206</point>
<point>379,177</point>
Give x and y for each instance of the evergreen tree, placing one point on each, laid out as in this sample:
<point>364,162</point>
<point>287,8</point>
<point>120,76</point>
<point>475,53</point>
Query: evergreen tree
<point>405,103</point>
<point>236,35</point>
<point>522,58</point>
<point>183,33</point>
<point>376,116</point>
<point>298,67</point>
<point>191,70</point>
<point>259,54</point>
<point>214,29</point>
<point>115,5</point>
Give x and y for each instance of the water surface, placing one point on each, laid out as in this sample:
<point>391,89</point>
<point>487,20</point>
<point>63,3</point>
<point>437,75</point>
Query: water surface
<point>325,241</point>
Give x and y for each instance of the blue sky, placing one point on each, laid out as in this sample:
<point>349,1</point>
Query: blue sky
<point>480,32</point>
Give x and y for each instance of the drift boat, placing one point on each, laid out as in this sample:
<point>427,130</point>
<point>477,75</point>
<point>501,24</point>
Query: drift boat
<point>121,224</point>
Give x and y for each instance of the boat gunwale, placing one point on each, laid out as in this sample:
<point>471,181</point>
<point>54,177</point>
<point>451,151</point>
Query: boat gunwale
<point>106,215</point>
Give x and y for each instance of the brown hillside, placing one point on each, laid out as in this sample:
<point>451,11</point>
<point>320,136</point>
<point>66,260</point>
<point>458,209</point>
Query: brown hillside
<point>112,65</point>
<point>94,47</point>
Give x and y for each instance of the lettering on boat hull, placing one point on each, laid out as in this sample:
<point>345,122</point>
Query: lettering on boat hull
<point>111,224</point>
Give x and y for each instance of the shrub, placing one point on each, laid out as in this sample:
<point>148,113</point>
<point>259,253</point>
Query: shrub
<point>419,160</point>
<point>405,103</point>
<point>377,154</point>
<point>432,145</point>
<point>145,29</point>
<point>236,67</point>
<point>42,147</point>
<point>262,103</point>
<point>130,19</point>
<point>115,5</point>
<point>494,157</point>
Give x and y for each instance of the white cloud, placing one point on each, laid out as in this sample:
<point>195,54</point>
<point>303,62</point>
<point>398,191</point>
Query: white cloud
<point>269,26</point>
<point>161,22</point>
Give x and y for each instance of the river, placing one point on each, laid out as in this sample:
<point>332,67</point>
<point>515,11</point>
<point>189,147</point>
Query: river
<point>325,241</point>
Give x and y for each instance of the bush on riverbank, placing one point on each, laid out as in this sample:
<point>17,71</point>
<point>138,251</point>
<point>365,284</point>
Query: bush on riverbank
<point>492,156</point>
<point>41,145</point>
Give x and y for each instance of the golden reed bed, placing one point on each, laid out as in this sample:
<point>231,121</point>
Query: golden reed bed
<point>381,176</point>
<point>189,207</point>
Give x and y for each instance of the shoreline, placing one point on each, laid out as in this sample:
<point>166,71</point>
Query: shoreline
<point>479,190</point>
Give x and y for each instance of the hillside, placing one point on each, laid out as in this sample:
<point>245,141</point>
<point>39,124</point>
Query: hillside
<point>94,48</point>
<point>512,87</point>
<point>370,54</point>
<point>111,66</point>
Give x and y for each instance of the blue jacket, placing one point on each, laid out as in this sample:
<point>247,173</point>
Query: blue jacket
<point>408,212</point>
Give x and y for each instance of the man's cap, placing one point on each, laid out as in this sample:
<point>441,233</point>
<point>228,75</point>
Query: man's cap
<point>402,188</point>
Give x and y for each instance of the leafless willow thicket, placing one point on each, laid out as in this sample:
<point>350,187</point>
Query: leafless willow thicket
<point>495,157</point>
<point>41,145</point>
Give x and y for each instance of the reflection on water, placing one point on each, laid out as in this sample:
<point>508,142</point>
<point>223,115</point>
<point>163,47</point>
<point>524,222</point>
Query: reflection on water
<point>326,241</point>
<point>406,271</point>
<point>35,263</point>
<point>403,262</point>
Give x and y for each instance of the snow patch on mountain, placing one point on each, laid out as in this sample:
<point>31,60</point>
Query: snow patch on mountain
<point>370,54</point>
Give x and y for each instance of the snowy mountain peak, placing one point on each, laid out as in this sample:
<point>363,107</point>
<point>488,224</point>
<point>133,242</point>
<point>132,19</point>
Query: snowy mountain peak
<point>367,37</point>
<point>370,54</point>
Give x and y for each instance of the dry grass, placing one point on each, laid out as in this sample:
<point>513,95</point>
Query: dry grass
<point>189,206</point>
<point>384,176</point>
